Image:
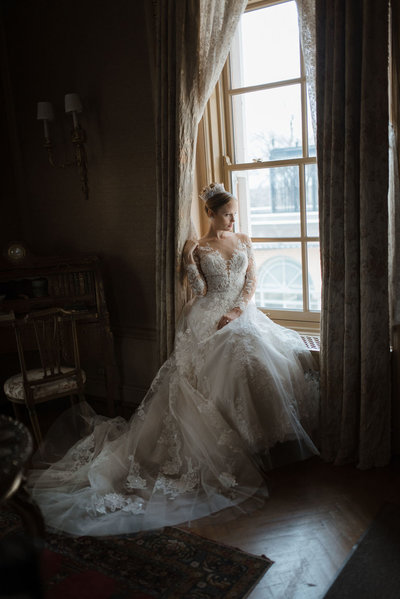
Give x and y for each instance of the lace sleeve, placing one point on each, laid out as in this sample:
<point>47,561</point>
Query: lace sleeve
<point>250,282</point>
<point>196,278</point>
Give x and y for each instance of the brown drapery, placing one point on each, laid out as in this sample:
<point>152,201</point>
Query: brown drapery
<point>190,42</point>
<point>352,149</point>
<point>394,217</point>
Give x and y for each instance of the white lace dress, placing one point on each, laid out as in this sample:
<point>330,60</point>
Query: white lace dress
<point>220,410</point>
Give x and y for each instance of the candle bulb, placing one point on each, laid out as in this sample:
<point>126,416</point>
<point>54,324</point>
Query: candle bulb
<point>73,105</point>
<point>45,113</point>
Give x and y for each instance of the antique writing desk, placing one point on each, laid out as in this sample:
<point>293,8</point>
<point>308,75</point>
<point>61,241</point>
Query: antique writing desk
<point>29,282</point>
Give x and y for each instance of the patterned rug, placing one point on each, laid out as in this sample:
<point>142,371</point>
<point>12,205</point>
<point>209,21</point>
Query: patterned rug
<point>165,564</point>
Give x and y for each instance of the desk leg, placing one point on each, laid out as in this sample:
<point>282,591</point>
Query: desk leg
<point>111,373</point>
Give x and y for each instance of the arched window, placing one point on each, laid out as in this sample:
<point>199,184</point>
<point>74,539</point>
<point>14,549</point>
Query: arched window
<point>280,284</point>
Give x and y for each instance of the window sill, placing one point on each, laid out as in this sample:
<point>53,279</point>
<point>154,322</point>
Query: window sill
<point>308,330</point>
<point>303,323</point>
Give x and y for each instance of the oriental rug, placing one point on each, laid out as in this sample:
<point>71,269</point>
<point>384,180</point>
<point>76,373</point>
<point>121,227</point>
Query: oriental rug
<point>164,564</point>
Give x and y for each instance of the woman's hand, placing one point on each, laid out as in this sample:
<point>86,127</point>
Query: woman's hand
<point>228,317</point>
<point>188,251</point>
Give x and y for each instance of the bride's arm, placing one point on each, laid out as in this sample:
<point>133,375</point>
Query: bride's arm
<point>250,282</point>
<point>248,289</point>
<point>193,269</point>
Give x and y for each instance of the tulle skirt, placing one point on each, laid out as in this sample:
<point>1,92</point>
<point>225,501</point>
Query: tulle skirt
<point>225,407</point>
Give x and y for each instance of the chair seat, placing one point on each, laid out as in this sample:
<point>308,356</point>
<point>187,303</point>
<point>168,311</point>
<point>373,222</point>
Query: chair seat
<point>14,386</point>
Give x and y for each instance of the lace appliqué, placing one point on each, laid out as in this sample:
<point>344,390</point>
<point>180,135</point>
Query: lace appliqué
<point>225,279</point>
<point>231,283</point>
<point>171,440</point>
<point>155,385</point>
<point>183,354</point>
<point>112,502</point>
<point>225,438</point>
<point>140,412</point>
<point>249,430</point>
<point>184,484</point>
<point>312,377</point>
<point>224,275</point>
<point>250,282</point>
<point>134,480</point>
<point>227,479</point>
<point>195,279</point>
<point>82,453</point>
<point>79,456</point>
<point>205,405</point>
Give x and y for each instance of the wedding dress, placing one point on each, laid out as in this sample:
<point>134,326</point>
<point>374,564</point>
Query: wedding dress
<point>220,410</point>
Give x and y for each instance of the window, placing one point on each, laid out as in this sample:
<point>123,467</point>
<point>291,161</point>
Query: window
<point>262,118</point>
<point>280,283</point>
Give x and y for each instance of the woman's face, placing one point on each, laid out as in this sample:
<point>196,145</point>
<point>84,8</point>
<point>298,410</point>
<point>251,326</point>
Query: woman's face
<point>224,218</point>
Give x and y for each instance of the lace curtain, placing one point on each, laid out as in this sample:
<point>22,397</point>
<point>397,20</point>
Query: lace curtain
<point>306,14</point>
<point>352,148</point>
<point>189,42</point>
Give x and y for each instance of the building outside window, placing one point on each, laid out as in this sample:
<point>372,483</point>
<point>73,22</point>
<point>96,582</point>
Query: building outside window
<point>270,161</point>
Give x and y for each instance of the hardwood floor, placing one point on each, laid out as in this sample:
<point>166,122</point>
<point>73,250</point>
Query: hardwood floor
<point>315,514</point>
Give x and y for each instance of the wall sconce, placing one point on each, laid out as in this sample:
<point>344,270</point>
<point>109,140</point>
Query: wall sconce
<point>73,106</point>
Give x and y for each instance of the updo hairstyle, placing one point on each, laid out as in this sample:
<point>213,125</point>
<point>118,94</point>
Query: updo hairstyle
<point>217,200</point>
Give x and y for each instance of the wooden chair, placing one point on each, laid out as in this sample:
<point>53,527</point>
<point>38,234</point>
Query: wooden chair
<point>46,340</point>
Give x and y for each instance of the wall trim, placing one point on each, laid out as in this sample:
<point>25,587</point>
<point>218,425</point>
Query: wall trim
<point>131,395</point>
<point>132,332</point>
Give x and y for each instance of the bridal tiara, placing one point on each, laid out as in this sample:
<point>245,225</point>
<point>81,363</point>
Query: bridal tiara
<point>212,190</point>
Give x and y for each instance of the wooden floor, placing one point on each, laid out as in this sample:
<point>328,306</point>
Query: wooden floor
<point>315,514</point>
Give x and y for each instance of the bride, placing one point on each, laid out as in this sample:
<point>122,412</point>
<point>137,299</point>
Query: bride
<point>233,400</point>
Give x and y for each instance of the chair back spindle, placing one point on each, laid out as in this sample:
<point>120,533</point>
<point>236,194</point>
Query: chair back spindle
<point>51,336</point>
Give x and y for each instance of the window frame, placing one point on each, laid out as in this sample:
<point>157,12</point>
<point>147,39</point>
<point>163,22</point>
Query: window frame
<point>306,320</point>
<point>213,150</point>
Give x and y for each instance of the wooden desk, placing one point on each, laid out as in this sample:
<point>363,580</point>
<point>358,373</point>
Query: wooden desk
<point>34,283</point>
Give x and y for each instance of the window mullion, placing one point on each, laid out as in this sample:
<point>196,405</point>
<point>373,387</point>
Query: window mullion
<point>304,109</point>
<point>247,181</point>
<point>303,207</point>
<point>282,239</point>
<point>303,233</point>
<point>247,166</point>
<point>263,86</point>
<point>227,105</point>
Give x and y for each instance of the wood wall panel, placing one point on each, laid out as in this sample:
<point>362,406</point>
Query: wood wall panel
<point>99,50</point>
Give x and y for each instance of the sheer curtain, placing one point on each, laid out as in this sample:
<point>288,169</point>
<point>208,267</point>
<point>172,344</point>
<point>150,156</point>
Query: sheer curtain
<point>306,12</point>
<point>190,42</point>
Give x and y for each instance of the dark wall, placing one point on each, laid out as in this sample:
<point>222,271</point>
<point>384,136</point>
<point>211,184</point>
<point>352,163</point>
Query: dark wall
<point>10,225</point>
<point>99,50</point>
